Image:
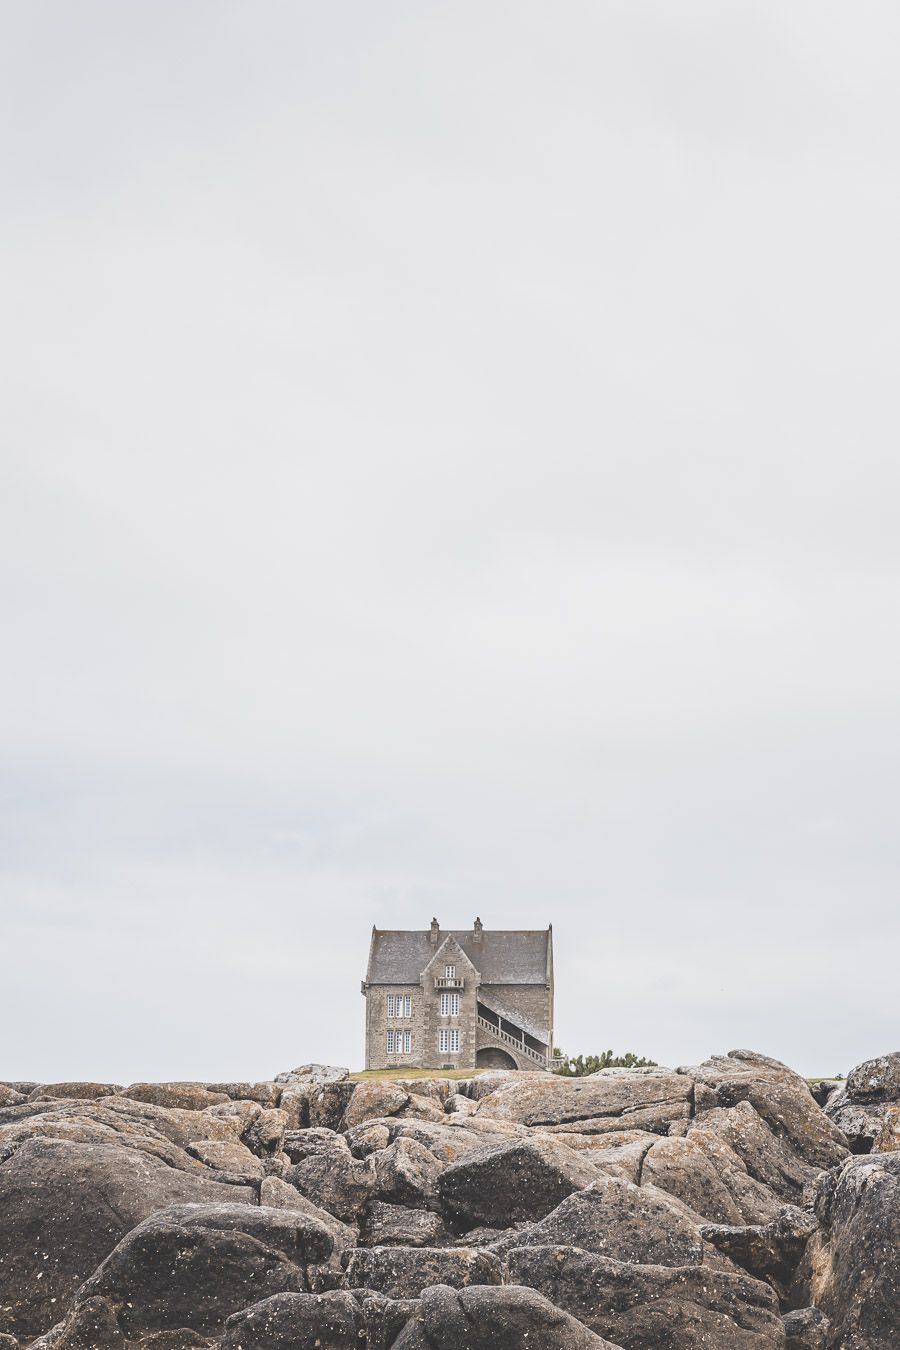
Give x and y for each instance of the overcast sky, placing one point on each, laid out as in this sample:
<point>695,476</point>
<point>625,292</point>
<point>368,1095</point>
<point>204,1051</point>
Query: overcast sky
<point>449,466</point>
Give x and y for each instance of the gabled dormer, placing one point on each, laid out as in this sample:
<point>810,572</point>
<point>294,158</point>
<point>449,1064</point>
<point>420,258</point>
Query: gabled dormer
<point>450,969</point>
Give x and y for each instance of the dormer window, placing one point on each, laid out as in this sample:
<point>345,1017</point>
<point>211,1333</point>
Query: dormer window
<point>450,972</point>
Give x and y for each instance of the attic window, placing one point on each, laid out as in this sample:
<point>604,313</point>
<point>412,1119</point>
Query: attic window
<point>450,972</point>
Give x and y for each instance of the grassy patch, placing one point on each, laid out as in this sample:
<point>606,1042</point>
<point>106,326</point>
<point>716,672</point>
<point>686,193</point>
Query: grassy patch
<point>414,1073</point>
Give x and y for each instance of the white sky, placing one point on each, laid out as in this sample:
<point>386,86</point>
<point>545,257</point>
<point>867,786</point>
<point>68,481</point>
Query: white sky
<point>449,465</point>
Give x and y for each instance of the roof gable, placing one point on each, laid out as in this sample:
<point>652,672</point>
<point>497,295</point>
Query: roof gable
<point>503,956</point>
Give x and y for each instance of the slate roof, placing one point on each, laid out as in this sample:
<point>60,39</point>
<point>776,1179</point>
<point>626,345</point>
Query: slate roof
<point>503,956</point>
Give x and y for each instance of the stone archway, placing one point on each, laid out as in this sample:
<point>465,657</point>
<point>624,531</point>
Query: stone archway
<point>492,1057</point>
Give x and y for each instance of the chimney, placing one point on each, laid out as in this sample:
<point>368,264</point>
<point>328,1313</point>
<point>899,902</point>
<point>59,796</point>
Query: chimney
<point>435,932</point>
<point>476,932</point>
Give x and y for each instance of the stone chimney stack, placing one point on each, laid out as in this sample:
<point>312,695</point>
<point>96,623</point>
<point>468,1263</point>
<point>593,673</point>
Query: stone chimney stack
<point>435,932</point>
<point>476,932</point>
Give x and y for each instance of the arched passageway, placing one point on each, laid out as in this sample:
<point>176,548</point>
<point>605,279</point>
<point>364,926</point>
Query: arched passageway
<point>492,1057</point>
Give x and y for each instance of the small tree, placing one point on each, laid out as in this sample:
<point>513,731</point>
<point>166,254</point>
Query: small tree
<point>580,1066</point>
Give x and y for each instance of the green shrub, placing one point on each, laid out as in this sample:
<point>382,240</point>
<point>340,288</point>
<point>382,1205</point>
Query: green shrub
<point>581,1065</point>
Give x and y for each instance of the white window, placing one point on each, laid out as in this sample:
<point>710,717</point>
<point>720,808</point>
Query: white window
<point>454,1040</point>
<point>449,1005</point>
<point>448,1040</point>
<point>392,1006</point>
<point>450,972</point>
<point>391,1038</point>
<point>407,1042</point>
<point>406,1000</point>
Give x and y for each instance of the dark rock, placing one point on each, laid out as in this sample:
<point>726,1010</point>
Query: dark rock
<point>866,1108</point>
<point>406,1173</point>
<point>515,1180</point>
<point>396,1225</point>
<point>330,1321</point>
<point>769,1251</point>
<point>876,1080</point>
<point>616,1219</point>
<point>806,1329</point>
<point>63,1208</point>
<point>264,1134</point>
<point>492,1318</point>
<point>855,1258</point>
<point>404,1272</point>
<point>648,1307</point>
<point>91,1325</point>
<point>326,1172</point>
<point>194,1265</point>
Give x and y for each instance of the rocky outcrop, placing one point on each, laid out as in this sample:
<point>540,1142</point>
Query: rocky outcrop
<point>867,1108</point>
<point>514,1180</point>
<point>65,1205</point>
<point>855,1258</point>
<point>651,1209</point>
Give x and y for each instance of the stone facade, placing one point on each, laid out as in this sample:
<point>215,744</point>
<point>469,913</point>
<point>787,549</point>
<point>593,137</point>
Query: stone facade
<point>459,999</point>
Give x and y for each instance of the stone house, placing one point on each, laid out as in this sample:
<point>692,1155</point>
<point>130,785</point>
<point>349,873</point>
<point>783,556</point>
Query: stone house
<point>459,999</point>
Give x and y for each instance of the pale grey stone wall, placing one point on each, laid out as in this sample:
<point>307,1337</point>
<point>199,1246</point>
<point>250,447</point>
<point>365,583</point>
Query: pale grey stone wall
<point>377,1025</point>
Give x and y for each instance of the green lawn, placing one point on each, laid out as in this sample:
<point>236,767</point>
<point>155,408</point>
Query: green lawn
<point>414,1073</point>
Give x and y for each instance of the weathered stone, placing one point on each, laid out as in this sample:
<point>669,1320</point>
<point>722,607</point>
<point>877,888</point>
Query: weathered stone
<point>230,1156</point>
<point>372,1099</point>
<point>707,1174</point>
<point>10,1097</point>
<point>397,1225</point>
<point>768,1159</point>
<point>806,1329</point>
<point>855,1257</point>
<point>887,1140</point>
<point>648,1307</point>
<point>404,1272</point>
<point>614,1099</point>
<point>625,1161</point>
<point>368,1138</point>
<point>616,1219</point>
<point>876,1080</point>
<point>188,1096</point>
<point>264,1134</point>
<point>326,1172</point>
<point>64,1206</point>
<point>266,1094</point>
<point>781,1097</point>
<point>194,1265</point>
<point>74,1091</point>
<point>457,1104</point>
<point>290,1321</point>
<point>422,1107</point>
<point>866,1107</point>
<point>770,1251</point>
<point>518,1179</point>
<point>448,1139</point>
<point>494,1318</point>
<point>321,1075</point>
<point>406,1173</point>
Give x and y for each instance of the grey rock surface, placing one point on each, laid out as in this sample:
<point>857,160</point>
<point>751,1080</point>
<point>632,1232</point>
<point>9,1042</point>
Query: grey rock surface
<point>648,1209</point>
